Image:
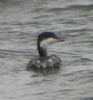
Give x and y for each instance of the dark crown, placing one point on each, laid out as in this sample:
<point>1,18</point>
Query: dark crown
<point>46,35</point>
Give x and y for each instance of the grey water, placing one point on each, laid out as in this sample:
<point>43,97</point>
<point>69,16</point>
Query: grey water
<point>20,23</point>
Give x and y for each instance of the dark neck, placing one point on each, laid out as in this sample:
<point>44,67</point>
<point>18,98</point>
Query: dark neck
<point>42,51</point>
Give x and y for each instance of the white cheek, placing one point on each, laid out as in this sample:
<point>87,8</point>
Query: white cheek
<point>43,44</point>
<point>46,42</point>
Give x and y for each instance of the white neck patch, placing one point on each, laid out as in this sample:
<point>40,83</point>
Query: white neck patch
<point>46,42</point>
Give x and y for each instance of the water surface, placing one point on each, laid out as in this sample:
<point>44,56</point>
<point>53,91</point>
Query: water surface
<point>20,23</point>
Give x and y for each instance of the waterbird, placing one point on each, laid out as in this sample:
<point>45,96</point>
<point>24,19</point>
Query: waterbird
<point>44,61</point>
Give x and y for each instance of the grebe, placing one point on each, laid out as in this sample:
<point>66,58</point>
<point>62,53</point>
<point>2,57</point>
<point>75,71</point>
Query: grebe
<point>45,61</point>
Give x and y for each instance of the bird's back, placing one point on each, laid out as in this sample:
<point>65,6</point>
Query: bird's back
<point>50,62</point>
